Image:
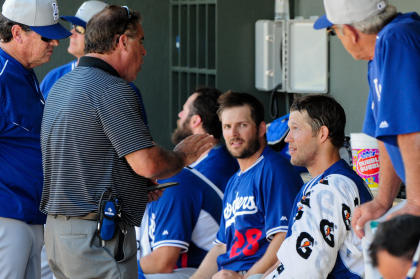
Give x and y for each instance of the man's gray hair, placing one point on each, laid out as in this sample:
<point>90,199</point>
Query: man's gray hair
<point>374,24</point>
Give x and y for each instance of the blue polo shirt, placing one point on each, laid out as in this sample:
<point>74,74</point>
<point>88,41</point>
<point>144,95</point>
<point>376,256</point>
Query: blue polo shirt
<point>394,83</point>
<point>21,108</point>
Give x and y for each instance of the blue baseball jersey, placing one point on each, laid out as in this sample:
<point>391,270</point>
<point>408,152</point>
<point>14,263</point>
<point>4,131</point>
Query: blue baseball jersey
<point>218,166</point>
<point>394,83</point>
<point>256,206</point>
<point>54,75</point>
<point>320,240</point>
<point>21,109</point>
<point>186,216</point>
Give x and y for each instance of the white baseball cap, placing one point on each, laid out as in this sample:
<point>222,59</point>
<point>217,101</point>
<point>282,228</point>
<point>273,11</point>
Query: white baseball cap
<point>348,11</point>
<point>86,11</point>
<point>40,15</point>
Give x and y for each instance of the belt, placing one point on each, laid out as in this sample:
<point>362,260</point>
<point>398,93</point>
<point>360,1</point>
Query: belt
<point>93,216</point>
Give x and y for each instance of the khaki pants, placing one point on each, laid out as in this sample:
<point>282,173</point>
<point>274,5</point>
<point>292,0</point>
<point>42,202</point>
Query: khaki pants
<point>74,251</point>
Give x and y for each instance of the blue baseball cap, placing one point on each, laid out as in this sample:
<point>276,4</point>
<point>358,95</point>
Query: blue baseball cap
<point>322,22</point>
<point>86,11</point>
<point>348,11</point>
<point>41,16</point>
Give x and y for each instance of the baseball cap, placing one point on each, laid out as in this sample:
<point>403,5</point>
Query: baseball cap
<point>86,11</point>
<point>348,11</point>
<point>40,15</point>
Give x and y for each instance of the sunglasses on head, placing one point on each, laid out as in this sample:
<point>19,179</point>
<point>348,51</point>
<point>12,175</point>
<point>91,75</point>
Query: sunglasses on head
<point>79,29</point>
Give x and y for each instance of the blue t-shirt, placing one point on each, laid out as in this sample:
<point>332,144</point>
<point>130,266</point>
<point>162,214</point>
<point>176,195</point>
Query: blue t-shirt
<point>21,109</point>
<point>186,216</point>
<point>320,240</point>
<point>394,83</point>
<point>218,166</point>
<point>256,206</point>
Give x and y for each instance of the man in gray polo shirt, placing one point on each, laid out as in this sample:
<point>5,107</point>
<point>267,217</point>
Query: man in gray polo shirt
<point>93,138</point>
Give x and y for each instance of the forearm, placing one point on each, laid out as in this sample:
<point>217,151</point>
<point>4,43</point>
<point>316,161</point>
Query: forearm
<point>409,145</point>
<point>161,260</point>
<point>208,266</point>
<point>155,162</point>
<point>389,182</point>
<point>270,256</point>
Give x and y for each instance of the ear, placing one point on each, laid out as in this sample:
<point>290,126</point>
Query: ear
<point>195,121</point>
<point>262,129</point>
<point>122,41</point>
<point>350,31</point>
<point>17,33</point>
<point>323,134</point>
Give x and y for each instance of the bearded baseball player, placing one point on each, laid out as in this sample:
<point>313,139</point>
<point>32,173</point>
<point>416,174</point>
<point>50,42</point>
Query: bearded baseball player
<point>320,240</point>
<point>258,198</point>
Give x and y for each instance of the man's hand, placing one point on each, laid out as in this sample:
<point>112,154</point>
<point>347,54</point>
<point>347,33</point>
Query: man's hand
<point>366,212</point>
<point>227,274</point>
<point>192,147</point>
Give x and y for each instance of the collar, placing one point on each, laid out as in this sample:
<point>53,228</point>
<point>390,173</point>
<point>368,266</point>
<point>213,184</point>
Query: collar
<point>89,61</point>
<point>17,65</point>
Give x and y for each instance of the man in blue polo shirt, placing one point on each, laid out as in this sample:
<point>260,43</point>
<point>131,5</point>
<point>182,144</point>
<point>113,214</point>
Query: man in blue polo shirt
<point>372,30</point>
<point>29,31</point>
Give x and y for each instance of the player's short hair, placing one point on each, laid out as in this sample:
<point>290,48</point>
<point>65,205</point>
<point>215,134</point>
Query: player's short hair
<point>323,110</point>
<point>398,236</point>
<point>6,28</point>
<point>374,24</point>
<point>206,106</point>
<point>103,29</point>
<point>236,99</point>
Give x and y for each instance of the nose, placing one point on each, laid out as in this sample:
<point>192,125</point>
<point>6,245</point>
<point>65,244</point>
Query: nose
<point>235,131</point>
<point>288,137</point>
<point>55,43</point>
<point>144,52</point>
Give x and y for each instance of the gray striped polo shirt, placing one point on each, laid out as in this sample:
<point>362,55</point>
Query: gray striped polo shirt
<point>92,119</point>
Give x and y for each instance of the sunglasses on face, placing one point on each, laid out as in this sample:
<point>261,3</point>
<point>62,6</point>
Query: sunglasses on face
<point>79,29</point>
<point>331,31</point>
<point>46,39</point>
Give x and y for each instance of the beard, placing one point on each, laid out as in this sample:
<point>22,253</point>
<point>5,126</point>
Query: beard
<point>181,132</point>
<point>250,149</point>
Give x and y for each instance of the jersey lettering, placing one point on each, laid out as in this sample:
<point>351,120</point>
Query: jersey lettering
<point>240,206</point>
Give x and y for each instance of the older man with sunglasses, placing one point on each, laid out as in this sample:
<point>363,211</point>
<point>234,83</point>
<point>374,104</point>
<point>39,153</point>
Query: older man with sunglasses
<point>29,31</point>
<point>77,41</point>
